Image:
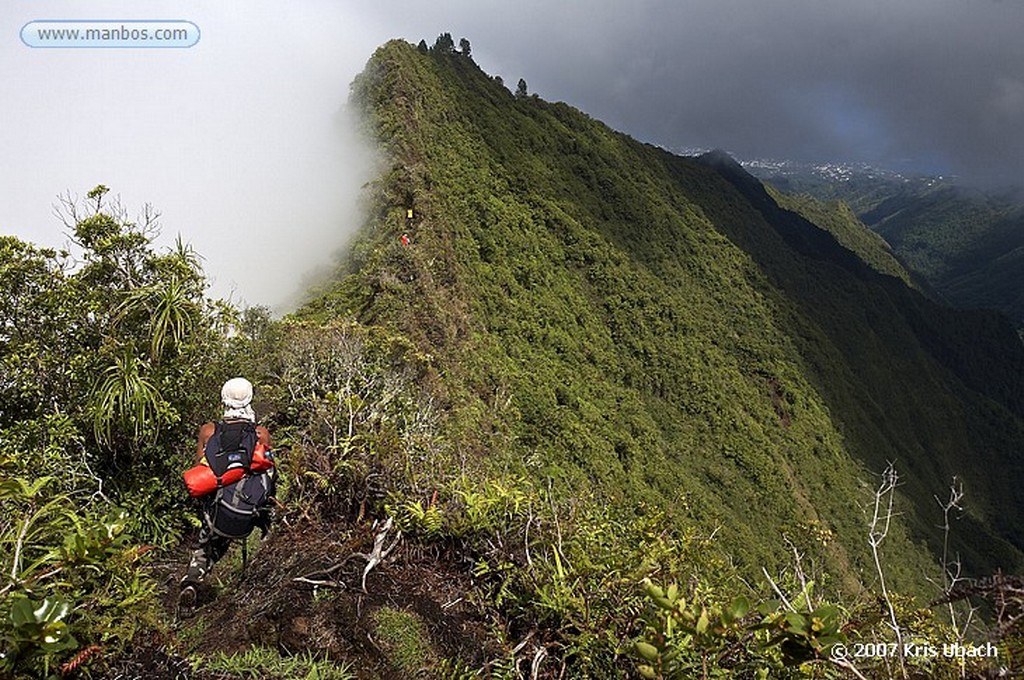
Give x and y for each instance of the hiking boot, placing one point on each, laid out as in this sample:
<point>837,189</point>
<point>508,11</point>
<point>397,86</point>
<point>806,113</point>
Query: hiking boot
<point>198,568</point>
<point>187,598</point>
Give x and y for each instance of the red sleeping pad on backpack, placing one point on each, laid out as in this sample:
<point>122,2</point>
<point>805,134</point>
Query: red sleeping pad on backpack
<point>200,479</point>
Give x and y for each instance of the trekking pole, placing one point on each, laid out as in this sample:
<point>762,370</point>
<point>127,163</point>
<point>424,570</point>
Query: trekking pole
<point>245,555</point>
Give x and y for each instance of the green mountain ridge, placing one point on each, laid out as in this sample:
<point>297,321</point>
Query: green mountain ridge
<point>664,330</point>
<point>838,219</point>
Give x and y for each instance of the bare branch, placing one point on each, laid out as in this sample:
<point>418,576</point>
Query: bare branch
<point>778,591</point>
<point>885,496</point>
<point>952,577</point>
<point>849,667</point>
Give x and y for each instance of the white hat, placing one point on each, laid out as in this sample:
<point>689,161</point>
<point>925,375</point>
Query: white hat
<point>236,393</point>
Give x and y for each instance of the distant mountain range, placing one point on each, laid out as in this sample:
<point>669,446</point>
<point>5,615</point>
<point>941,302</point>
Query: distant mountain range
<point>813,174</point>
<point>965,245</point>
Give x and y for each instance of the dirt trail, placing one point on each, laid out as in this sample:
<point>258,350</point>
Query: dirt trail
<point>269,608</point>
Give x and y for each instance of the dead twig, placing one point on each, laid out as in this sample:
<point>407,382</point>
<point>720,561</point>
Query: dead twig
<point>377,555</point>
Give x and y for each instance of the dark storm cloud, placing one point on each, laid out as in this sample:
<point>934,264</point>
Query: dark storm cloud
<point>931,84</point>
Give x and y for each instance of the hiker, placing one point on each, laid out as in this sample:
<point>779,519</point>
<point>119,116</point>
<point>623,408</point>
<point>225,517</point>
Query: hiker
<point>235,479</point>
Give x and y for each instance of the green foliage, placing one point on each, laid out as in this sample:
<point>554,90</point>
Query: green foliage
<point>691,639</point>
<point>106,360</point>
<point>805,636</point>
<point>454,669</point>
<point>171,307</point>
<point>57,553</point>
<point>35,629</point>
<point>404,640</point>
<point>126,398</point>
<point>116,342</point>
<point>802,636</point>
<point>839,220</point>
<point>964,243</point>
<point>583,581</point>
<point>687,640</point>
<point>490,505</point>
<point>259,663</point>
<point>415,519</point>
<point>466,508</point>
<point>352,402</point>
<point>444,44</point>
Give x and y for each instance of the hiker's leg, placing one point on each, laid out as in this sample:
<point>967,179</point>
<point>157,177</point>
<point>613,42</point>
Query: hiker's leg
<point>215,548</point>
<point>211,548</point>
<point>199,564</point>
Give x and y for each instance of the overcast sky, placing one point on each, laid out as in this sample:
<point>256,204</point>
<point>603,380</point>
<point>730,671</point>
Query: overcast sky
<point>237,140</point>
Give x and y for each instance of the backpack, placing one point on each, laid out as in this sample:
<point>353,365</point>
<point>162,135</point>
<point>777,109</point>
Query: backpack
<point>237,507</point>
<point>230,447</point>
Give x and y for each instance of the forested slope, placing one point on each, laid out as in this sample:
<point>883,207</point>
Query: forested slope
<point>968,244</point>
<point>661,330</point>
<point>965,243</point>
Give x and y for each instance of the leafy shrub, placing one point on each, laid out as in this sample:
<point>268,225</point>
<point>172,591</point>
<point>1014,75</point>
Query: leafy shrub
<point>57,556</point>
<point>106,359</point>
<point>352,402</point>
